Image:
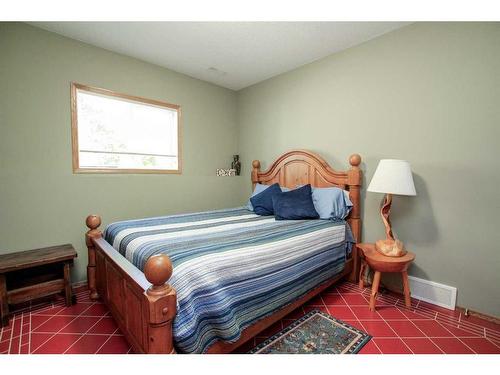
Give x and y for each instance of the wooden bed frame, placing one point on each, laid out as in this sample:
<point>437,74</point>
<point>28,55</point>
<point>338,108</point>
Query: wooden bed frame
<point>144,305</point>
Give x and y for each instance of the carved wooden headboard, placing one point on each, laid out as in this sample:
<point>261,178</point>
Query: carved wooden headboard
<point>300,167</point>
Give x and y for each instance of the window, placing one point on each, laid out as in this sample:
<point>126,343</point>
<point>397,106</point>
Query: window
<point>117,133</point>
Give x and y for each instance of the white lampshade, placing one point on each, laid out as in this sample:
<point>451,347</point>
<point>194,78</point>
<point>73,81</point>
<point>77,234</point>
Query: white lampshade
<point>393,177</point>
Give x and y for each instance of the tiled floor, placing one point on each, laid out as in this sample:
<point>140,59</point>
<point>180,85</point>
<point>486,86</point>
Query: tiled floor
<point>51,327</point>
<point>87,327</point>
<point>423,329</point>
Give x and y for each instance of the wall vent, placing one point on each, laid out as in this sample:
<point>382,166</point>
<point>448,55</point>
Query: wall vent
<point>432,292</point>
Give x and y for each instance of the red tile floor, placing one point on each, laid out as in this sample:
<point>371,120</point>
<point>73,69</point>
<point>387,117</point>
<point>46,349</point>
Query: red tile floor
<point>87,327</point>
<point>51,327</point>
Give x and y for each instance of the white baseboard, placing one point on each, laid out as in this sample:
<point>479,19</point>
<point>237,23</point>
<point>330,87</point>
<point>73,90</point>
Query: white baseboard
<point>432,292</point>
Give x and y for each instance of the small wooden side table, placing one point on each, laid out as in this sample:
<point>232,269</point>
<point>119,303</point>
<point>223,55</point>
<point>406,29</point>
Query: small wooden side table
<point>35,273</point>
<point>381,263</point>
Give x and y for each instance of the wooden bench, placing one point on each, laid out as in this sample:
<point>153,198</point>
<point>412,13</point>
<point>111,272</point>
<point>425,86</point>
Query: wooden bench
<point>35,273</point>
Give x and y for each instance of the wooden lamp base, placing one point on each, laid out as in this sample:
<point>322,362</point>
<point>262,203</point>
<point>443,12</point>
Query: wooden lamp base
<point>390,248</point>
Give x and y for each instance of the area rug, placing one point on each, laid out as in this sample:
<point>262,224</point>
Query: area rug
<point>315,333</point>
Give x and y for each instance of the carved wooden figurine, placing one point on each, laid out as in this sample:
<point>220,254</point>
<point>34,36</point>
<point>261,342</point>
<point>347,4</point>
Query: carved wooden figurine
<point>236,164</point>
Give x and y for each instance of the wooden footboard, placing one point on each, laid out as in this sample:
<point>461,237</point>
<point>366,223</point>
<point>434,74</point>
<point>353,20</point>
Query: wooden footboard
<point>142,304</point>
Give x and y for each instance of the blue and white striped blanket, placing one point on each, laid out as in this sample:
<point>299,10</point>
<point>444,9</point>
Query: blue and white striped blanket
<point>232,267</point>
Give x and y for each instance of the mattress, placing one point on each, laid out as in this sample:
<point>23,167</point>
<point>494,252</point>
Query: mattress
<point>232,267</point>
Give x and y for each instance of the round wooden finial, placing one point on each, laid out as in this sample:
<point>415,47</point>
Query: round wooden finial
<point>93,221</point>
<point>158,269</point>
<point>355,160</point>
<point>256,164</point>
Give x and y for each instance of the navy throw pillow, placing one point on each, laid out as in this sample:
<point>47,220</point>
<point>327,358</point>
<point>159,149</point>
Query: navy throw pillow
<point>263,202</point>
<point>295,205</point>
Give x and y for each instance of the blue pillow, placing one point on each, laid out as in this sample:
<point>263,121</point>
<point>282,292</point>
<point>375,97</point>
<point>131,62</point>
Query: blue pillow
<point>259,188</point>
<point>295,205</point>
<point>331,203</point>
<point>263,202</point>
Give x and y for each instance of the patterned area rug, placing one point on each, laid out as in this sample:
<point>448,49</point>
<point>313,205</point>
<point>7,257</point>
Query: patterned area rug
<point>315,333</point>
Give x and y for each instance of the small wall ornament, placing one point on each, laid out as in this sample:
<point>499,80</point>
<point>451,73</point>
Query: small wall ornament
<point>225,172</point>
<point>236,165</point>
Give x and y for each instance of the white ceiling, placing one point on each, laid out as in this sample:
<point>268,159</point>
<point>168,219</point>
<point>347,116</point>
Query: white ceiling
<point>230,54</point>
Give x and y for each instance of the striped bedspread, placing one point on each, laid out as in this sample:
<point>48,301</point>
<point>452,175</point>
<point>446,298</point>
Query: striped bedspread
<point>232,267</point>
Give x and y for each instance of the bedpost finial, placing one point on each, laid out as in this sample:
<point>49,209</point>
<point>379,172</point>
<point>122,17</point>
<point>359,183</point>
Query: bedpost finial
<point>256,164</point>
<point>355,160</point>
<point>93,221</point>
<point>158,269</point>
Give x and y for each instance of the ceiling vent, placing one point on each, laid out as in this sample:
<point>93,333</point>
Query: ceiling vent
<point>216,71</point>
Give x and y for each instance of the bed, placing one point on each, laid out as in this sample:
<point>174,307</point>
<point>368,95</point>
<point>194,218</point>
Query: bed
<point>236,273</point>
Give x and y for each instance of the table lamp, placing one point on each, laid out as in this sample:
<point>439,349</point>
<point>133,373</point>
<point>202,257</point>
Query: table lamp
<point>391,177</point>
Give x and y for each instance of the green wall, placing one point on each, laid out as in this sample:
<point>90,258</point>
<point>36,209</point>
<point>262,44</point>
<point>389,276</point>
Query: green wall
<point>42,202</point>
<point>428,93</point>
